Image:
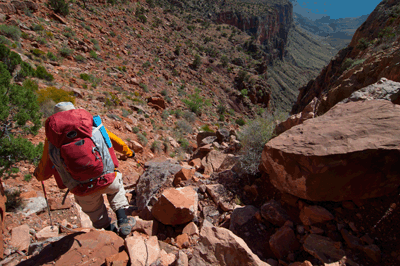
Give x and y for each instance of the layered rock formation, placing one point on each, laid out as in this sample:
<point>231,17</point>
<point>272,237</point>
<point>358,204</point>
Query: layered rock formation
<point>270,29</point>
<point>351,152</point>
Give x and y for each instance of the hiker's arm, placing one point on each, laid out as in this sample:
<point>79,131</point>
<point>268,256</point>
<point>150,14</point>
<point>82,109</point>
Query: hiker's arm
<point>119,145</point>
<point>45,168</point>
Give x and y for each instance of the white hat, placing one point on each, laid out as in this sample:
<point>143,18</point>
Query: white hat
<point>63,106</point>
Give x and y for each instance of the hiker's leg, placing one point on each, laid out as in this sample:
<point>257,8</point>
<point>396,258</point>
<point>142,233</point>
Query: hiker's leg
<point>119,202</point>
<point>116,194</point>
<point>93,206</point>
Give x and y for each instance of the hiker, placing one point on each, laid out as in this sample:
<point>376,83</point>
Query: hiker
<point>79,152</point>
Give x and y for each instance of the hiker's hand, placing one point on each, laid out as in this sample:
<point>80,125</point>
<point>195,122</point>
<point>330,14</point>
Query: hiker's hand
<point>125,157</point>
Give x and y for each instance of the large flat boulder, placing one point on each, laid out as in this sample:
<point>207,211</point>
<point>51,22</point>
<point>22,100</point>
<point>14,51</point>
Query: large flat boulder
<point>350,152</point>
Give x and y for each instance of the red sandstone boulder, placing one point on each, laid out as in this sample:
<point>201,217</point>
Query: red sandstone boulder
<point>351,152</point>
<point>176,206</point>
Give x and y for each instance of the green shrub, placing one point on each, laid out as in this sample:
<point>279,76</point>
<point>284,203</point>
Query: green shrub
<point>93,54</point>
<point>80,58</point>
<point>206,128</point>
<point>4,40</point>
<point>240,121</point>
<point>59,6</point>
<point>51,56</point>
<point>195,102</point>
<point>37,27</point>
<point>253,137</point>
<point>42,73</point>
<point>156,146</point>
<point>144,87</point>
<point>18,106</point>
<point>37,52</point>
<point>27,177</point>
<point>184,127</point>
<point>244,92</point>
<point>135,130</point>
<point>68,32</point>
<point>362,44</point>
<point>65,51</point>
<point>224,61</point>
<point>189,116</point>
<point>57,95</point>
<point>12,32</point>
<point>209,70</point>
<point>146,64</point>
<point>142,18</point>
<point>30,84</point>
<point>185,145</point>
<point>142,139</point>
<point>196,62</point>
<point>85,76</point>
<point>221,109</point>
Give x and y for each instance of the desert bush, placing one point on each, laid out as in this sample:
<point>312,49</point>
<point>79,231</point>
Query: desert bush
<point>240,121</point>
<point>42,73</point>
<point>142,139</point>
<point>188,116</point>
<point>184,127</point>
<point>59,6</point>
<point>253,137</point>
<point>346,64</point>
<point>185,145</point>
<point>12,32</point>
<point>4,40</point>
<point>196,62</point>
<point>18,106</point>
<point>68,32</point>
<point>79,58</point>
<point>206,128</point>
<point>57,95</point>
<point>51,56</point>
<point>65,51</point>
<point>195,102</point>
<point>362,44</point>
<point>156,146</point>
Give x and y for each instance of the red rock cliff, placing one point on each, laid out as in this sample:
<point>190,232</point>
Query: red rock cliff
<point>270,29</point>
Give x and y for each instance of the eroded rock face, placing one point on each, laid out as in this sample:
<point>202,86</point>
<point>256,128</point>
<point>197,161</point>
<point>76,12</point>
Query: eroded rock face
<point>351,152</point>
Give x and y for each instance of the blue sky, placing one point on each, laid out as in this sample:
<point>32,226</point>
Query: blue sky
<point>335,8</point>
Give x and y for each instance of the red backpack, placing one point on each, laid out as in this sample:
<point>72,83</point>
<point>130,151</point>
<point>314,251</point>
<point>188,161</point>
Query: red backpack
<point>79,152</point>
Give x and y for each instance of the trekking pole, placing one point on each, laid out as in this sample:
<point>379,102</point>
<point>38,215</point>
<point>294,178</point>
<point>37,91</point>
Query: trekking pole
<point>139,163</point>
<point>47,203</point>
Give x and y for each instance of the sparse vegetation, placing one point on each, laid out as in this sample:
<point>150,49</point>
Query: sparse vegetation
<point>195,102</point>
<point>57,95</point>
<point>12,32</point>
<point>253,137</point>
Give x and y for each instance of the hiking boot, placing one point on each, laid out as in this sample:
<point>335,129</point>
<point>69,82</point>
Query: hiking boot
<point>125,226</point>
<point>111,227</point>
